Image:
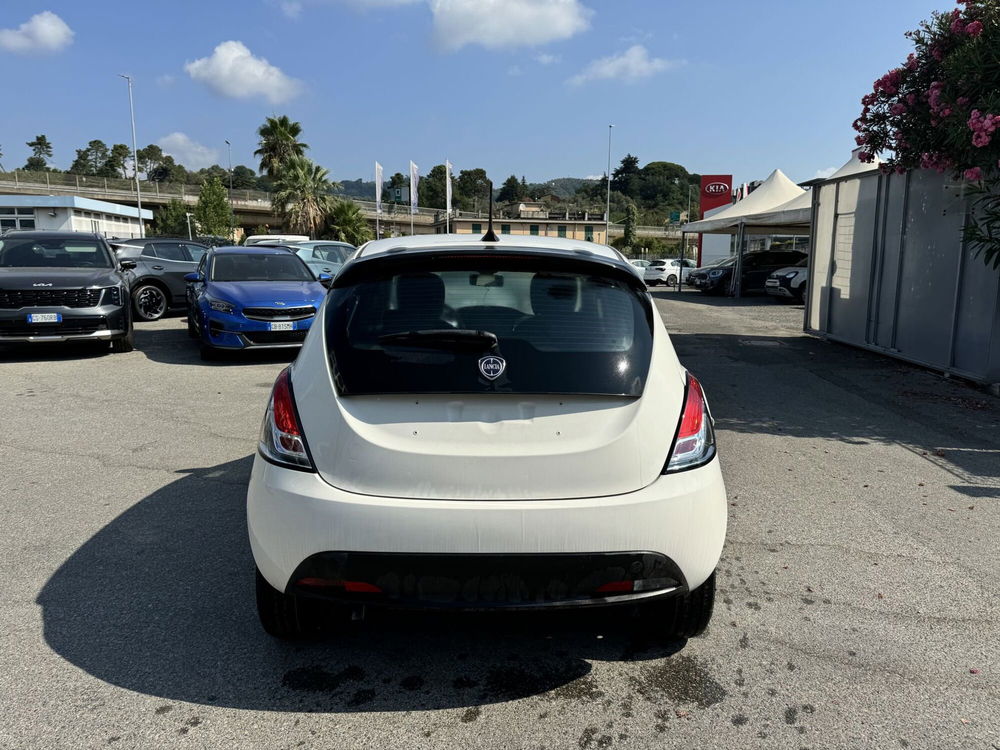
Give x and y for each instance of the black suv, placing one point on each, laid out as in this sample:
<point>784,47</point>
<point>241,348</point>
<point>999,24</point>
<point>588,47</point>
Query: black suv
<point>62,286</point>
<point>161,264</point>
<point>757,267</point>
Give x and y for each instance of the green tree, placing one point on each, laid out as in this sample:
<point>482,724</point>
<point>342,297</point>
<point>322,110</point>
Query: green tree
<point>431,190</point>
<point>171,219</point>
<point>302,195</point>
<point>472,189</point>
<point>346,223</point>
<point>625,178</point>
<point>207,173</point>
<point>114,165</point>
<point>41,151</point>
<point>510,191</point>
<point>35,164</point>
<point>90,160</point>
<point>631,221</point>
<point>244,178</point>
<point>279,143</point>
<point>212,212</point>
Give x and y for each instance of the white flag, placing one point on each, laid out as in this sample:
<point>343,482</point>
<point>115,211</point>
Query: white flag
<point>414,186</point>
<point>378,188</point>
<point>447,186</point>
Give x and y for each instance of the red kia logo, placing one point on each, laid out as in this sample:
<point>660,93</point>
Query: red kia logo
<point>716,188</point>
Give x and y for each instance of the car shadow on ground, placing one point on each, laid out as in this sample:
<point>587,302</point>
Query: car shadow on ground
<point>173,346</point>
<point>161,602</point>
<point>54,352</point>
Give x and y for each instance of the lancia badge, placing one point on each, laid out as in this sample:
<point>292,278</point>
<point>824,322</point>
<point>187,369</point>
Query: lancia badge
<point>492,367</point>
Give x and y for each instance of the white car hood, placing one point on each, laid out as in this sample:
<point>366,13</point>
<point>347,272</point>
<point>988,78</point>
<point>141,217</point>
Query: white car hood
<point>488,447</point>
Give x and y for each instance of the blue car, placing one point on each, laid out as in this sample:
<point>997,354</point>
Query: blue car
<point>252,298</point>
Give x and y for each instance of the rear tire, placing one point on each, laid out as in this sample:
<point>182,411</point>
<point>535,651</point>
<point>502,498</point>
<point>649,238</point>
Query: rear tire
<point>124,344</point>
<point>683,616</point>
<point>671,280</point>
<point>150,302</point>
<point>285,616</point>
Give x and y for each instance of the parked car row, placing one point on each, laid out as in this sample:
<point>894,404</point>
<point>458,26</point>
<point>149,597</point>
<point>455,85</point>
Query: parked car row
<point>61,286</point>
<point>757,269</point>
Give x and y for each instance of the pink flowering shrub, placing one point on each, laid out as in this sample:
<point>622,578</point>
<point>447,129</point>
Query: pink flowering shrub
<point>940,110</point>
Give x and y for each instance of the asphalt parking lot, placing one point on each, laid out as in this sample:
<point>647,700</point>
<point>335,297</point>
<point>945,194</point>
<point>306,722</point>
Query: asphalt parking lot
<point>858,602</point>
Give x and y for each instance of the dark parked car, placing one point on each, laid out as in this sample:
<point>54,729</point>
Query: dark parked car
<point>756,268</point>
<point>62,286</point>
<point>161,265</point>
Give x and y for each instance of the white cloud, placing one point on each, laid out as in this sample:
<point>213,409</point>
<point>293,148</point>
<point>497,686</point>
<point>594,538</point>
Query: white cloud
<point>630,66</point>
<point>496,24</point>
<point>191,154</point>
<point>824,173</point>
<point>234,72</point>
<point>546,59</point>
<point>43,32</point>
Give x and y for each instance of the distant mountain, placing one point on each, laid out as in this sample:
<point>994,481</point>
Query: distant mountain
<point>562,187</point>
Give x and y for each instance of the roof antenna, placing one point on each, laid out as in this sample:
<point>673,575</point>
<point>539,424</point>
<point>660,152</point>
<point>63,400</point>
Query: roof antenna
<point>490,235</point>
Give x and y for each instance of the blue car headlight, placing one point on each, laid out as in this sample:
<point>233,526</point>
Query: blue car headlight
<point>715,274</point>
<point>220,305</point>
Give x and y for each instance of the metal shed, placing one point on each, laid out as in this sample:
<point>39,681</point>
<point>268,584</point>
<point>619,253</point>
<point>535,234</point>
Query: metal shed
<point>890,272</point>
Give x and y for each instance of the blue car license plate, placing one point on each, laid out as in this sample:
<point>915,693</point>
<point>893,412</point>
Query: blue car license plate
<point>281,325</point>
<point>44,318</point>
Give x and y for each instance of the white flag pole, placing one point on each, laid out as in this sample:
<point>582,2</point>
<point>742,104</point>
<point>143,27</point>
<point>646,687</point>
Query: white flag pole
<point>447,196</point>
<point>414,191</point>
<point>378,200</point>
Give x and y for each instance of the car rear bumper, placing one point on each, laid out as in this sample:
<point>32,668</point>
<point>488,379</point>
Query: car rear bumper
<point>460,553</point>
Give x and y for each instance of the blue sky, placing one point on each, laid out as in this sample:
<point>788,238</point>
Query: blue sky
<point>514,86</point>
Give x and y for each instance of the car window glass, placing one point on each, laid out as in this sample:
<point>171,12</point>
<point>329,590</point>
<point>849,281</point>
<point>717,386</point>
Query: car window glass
<point>194,252</point>
<point>259,267</point>
<point>558,332</point>
<point>53,253</point>
<point>148,250</point>
<point>170,251</point>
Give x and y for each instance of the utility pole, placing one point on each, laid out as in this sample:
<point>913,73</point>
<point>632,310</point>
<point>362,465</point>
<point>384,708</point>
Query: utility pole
<point>135,157</point>
<point>607,207</point>
<point>188,215</point>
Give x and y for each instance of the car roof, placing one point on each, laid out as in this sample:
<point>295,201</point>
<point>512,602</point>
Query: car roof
<point>248,250</point>
<point>466,242</point>
<point>323,242</point>
<point>52,234</point>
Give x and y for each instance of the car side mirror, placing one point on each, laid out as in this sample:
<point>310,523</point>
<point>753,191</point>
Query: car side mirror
<point>192,277</point>
<point>127,265</point>
<point>325,279</point>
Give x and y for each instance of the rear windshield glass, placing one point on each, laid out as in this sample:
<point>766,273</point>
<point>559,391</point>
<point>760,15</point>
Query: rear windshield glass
<point>483,329</point>
<point>326,253</point>
<point>259,267</point>
<point>53,253</point>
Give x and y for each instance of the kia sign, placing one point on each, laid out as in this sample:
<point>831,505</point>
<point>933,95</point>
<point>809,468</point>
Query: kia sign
<point>716,190</point>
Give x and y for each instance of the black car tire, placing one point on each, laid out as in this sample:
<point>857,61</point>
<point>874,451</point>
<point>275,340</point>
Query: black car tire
<point>684,616</point>
<point>124,344</point>
<point>291,617</point>
<point>149,302</point>
<point>192,327</point>
<point>672,280</point>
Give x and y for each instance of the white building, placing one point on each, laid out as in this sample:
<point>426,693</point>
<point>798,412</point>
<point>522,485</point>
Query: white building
<point>71,213</point>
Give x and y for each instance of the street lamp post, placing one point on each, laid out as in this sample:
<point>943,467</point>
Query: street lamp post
<point>232,212</point>
<point>188,215</point>
<point>135,158</point>
<point>607,206</point>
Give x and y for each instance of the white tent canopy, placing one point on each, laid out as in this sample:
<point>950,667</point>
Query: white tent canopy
<point>775,191</point>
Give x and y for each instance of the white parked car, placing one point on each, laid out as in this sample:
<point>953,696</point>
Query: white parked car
<point>665,270</point>
<point>488,425</point>
<point>275,239</point>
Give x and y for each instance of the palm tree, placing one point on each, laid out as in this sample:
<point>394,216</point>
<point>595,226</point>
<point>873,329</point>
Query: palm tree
<point>302,195</point>
<point>346,223</point>
<point>279,143</point>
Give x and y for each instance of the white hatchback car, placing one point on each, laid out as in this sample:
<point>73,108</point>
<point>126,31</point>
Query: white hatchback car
<point>481,425</point>
<point>664,271</point>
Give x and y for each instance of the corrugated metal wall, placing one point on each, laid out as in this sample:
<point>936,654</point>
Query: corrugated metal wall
<point>889,272</point>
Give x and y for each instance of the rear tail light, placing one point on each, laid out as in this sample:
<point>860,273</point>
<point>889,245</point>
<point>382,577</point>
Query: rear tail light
<point>281,438</point>
<point>694,444</point>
